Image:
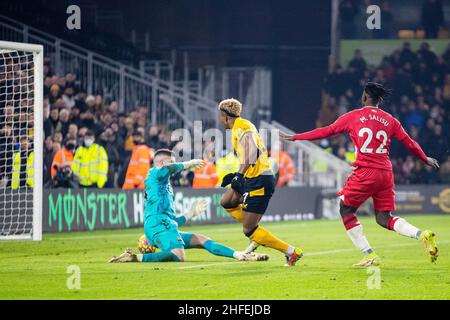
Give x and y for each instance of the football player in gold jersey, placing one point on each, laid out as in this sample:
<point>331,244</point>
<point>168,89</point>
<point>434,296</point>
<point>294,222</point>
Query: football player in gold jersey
<point>253,185</point>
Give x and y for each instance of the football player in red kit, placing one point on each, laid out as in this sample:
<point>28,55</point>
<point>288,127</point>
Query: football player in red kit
<point>371,130</point>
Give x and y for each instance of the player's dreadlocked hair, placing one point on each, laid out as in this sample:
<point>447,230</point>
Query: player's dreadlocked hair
<point>377,92</point>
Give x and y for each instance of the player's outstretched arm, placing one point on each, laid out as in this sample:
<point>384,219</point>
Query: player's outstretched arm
<point>193,164</point>
<point>414,147</point>
<point>319,133</point>
<point>340,125</point>
<point>175,167</point>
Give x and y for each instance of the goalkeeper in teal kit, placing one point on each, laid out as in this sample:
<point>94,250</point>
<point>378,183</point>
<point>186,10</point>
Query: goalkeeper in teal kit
<point>161,223</point>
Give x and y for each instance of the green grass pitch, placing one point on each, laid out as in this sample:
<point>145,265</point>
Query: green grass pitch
<point>38,270</point>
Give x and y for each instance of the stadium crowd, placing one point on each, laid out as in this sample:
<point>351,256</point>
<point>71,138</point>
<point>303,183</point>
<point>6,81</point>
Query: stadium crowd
<point>88,142</point>
<point>420,99</point>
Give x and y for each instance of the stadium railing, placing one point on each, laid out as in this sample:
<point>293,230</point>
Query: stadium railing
<point>168,103</point>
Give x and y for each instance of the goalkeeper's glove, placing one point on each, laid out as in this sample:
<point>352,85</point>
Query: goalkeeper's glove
<point>193,164</point>
<point>198,208</point>
<point>227,179</point>
<point>237,183</point>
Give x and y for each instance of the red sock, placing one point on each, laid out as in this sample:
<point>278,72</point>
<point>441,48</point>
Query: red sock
<point>350,221</point>
<point>390,222</point>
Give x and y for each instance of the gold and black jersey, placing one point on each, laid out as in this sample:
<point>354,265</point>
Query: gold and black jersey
<point>262,165</point>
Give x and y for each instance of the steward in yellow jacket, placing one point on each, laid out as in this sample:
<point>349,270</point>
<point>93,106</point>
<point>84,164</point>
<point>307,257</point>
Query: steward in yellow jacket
<point>90,163</point>
<point>23,167</point>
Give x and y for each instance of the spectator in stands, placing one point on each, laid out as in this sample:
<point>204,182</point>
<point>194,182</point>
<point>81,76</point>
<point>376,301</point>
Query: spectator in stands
<point>88,121</point>
<point>72,132</point>
<point>286,168</point>
<point>90,102</point>
<point>432,17</point>
<point>57,139</point>
<point>52,123</point>
<point>6,152</point>
<point>205,177</point>
<point>61,168</point>
<point>48,159</point>
<point>64,117</point>
<point>407,55</point>
<point>55,93</point>
<point>23,166</point>
<point>227,163</point>
<point>139,163</point>
<point>64,157</point>
<point>128,134</point>
<point>427,56</point>
<point>109,142</point>
<point>90,163</point>
<point>358,63</point>
<point>106,120</point>
<point>75,116</point>
<point>68,97</point>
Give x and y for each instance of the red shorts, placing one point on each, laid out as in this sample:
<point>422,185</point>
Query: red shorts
<point>364,183</point>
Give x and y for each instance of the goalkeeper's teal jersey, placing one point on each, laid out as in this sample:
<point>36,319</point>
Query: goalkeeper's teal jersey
<point>158,191</point>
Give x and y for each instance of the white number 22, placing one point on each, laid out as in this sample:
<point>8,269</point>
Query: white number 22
<point>380,134</point>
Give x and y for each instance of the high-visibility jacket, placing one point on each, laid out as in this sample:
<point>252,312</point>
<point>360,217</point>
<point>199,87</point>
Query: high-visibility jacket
<point>138,167</point>
<point>350,156</point>
<point>61,159</point>
<point>90,164</point>
<point>286,168</point>
<point>319,165</point>
<point>205,177</point>
<point>15,179</point>
<point>225,165</point>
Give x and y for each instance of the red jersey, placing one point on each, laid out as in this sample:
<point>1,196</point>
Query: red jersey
<point>371,130</point>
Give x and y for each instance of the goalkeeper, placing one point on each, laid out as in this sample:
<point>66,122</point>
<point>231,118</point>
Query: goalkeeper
<point>161,224</point>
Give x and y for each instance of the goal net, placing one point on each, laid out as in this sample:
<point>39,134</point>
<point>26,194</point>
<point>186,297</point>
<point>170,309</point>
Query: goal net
<point>21,144</point>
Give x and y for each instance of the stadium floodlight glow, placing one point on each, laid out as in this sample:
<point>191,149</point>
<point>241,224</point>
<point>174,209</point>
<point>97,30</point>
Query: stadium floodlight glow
<point>21,119</point>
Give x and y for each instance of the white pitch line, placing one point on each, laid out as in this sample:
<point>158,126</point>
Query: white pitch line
<point>308,254</point>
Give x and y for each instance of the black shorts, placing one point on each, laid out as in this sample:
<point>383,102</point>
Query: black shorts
<point>257,193</point>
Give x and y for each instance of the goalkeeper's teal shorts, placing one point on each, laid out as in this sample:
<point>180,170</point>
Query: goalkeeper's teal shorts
<point>162,232</point>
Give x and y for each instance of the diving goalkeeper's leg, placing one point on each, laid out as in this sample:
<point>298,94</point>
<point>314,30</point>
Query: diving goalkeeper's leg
<point>176,255</point>
<point>168,241</point>
<point>195,240</point>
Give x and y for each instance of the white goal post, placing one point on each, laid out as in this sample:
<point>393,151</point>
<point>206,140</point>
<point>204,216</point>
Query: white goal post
<point>21,140</point>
